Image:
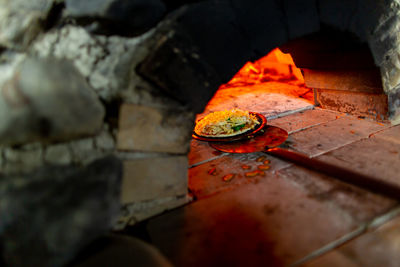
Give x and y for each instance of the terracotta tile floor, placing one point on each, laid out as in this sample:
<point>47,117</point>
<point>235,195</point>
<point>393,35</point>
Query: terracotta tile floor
<point>288,215</point>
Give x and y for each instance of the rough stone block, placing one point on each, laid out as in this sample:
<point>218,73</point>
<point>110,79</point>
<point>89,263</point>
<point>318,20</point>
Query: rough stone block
<point>22,160</point>
<point>390,70</point>
<point>104,140</point>
<point>9,63</point>
<point>22,21</point>
<point>394,106</point>
<point>58,154</point>
<point>72,43</point>
<point>367,81</point>
<point>84,151</point>
<point>150,129</point>
<point>48,100</point>
<point>153,178</point>
<point>380,22</point>
<point>364,104</point>
<point>176,67</point>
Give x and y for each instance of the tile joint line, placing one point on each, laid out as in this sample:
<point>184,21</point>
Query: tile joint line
<point>362,229</point>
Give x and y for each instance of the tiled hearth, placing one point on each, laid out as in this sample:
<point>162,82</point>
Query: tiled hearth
<point>286,214</point>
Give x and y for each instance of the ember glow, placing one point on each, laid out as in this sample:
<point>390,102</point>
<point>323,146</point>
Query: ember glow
<point>276,66</point>
<point>269,85</point>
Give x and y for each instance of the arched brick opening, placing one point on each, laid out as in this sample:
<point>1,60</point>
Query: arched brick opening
<point>189,60</point>
<point>233,37</point>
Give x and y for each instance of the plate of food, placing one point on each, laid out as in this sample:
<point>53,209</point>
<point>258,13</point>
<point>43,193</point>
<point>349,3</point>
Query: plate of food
<point>229,125</point>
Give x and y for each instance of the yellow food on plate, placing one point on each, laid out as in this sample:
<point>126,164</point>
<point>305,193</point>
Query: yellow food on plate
<point>226,123</point>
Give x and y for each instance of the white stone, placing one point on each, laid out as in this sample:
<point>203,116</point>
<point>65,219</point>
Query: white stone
<point>73,43</point>
<point>115,72</point>
<point>21,21</point>
<point>19,161</point>
<point>84,151</point>
<point>9,62</point>
<point>107,62</point>
<point>81,148</point>
<point>48,100</point>
<point>58,154</point>
<point>105,140</point>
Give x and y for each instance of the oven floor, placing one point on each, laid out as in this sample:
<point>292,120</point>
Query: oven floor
<point>288,215</point>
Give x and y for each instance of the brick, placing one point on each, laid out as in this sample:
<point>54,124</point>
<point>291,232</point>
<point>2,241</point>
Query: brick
<point>376,248</point>
<point>178,68</point>
<point>374,157</point>
<point>274,221</point>
<point>203,184</point>
<point>149,129</point>
<point>332,135</point>
<point>370,105</point>
<point>152,178</point>
<point>367,81</point>
<point>201,151</point>
<point>304,119</point>
<point>84,151</point>
<point>391,135</point>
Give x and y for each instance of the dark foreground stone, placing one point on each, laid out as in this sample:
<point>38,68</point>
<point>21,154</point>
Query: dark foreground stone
<point>46,217</point>
<point>120,251</point>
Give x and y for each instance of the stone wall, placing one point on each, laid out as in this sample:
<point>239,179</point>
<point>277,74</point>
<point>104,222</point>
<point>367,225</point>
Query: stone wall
<point>98,98</point>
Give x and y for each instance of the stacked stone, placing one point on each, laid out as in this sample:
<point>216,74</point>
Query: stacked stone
<point>70,97</point>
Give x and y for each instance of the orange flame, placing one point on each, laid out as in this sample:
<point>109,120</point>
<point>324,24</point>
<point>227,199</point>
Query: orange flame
<point>276,66</point>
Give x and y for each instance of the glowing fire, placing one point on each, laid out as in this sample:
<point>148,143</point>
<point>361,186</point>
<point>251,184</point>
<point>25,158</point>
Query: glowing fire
<point>276,66</point>
<point>269,85</point>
